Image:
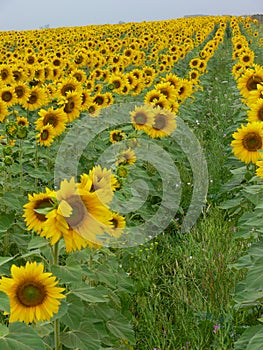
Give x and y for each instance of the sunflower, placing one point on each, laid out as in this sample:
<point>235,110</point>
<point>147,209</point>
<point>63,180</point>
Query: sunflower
<point>46,135</point>
<point>117,224</point>
<point>164,123</point>
<point>126,157</point>
<point>79,75</point>
<point>132,80</point>
<point>3,111</point>
<point>117,82</point>
<point>173,79</point>
<point>117,136</point>
<point>256,111</point>
<point>33,210</point>
<point>36,99</point>
<point>8,95</point>
<point>185,89</point>
<point>69,84</point>
<point>142,117</point>
<point>194,76</point>
<point>22,121</point>
<point>22,92</point>
<point>57,227</point>
<point>72,105</point>
<point>259,170</point>
<point>6,76</point>
<point>254,96</point>
<point>33,293</point>
<point>19,73</point>
<point>248,141</point>
<point>237,70</point>
<point>99,181</point>
<point>57,118</point>
<point>249,80</point>
<point>100,100</point>
<point>93,109</point>
<point>167,90</point>
<point>73,241</point>
<point>247,58</point>
<point>83,210</point>
<point>152,96</point>
<point>194,63</point>
<point>109,99</point>
<point>90,84</point>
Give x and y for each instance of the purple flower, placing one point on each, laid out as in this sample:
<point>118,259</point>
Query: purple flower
<point>216,328</point>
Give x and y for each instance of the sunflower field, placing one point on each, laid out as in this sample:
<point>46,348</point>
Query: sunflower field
<point>132,186</point>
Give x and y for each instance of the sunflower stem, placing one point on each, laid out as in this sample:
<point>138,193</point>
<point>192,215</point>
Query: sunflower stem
<point>57,334</point>
<point>56,325</point>
<point>36,164</point>
<point>21,164</point>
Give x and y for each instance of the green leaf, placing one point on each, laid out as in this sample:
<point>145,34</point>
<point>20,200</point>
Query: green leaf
<point>4,302</point>
<point>3,331</point>
<point>6,220</point>
<point>5,259</point>
<point>92,294</point>
<point>14,201</point>
<point>84,339</point>
<point>251,339</point>
<point>254,278</point>
<point>37,242</point>
<point>121,329</point>
<point>74,313</point>
<point>43,329</point>
<point>44,211</point>
<point>21,336</point>
<point>231,203</point>
<point>67,274</point>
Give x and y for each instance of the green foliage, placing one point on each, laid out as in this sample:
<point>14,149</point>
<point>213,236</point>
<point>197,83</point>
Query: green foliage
<point>20,336</point>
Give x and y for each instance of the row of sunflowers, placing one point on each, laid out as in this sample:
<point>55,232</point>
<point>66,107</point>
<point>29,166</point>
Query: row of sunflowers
<point>51,79</point>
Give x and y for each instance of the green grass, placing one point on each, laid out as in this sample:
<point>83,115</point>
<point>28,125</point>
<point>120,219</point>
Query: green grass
<point>184,286</point>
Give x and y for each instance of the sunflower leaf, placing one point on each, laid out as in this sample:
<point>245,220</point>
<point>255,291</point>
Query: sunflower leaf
<point>44,211</point>
<point>21,336</point>
<point>4,302</point>
<point>92,294</point>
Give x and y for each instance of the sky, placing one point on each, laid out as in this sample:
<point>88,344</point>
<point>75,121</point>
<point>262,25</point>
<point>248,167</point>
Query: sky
<point>34,14</point>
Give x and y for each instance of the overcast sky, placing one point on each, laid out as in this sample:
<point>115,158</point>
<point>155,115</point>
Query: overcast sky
<point>33,14</point>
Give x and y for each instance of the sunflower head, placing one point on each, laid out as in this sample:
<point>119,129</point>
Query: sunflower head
<point>33,293</point>
<point>248,142</point>
<point>117,136</point>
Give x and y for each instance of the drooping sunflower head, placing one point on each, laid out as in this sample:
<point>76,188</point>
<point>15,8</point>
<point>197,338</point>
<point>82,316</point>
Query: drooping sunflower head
<point>248,142</point>
<point>33,293</point>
